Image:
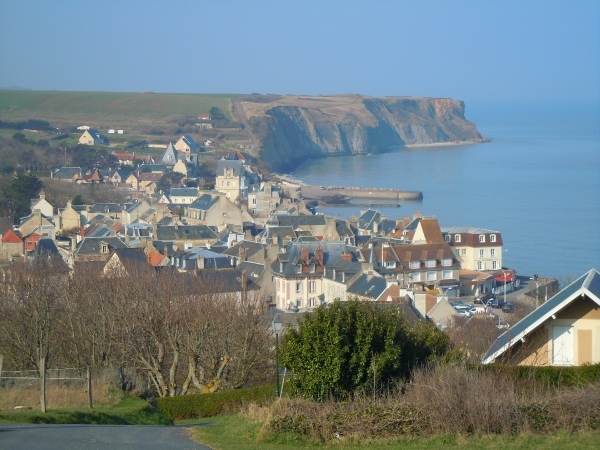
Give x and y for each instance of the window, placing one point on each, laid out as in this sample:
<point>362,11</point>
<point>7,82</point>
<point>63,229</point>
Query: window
<point>299,302</point>
<point>457,238</point>
<point>415,264</point>
<point>458,252</point>
<point>228,183</point>
<point>311,302</point>
<point>222,183</point>
<point>299,268</point>
<point>431,263</point>
<point>431,276</point>
<point>254,201</point>
<point>447,262</point>
<point>480,265</point>
<point>390,264</point>
<point>447,238</point>
<point>481,253</point>
<point>311,286</point>
<point>482,238</point>
<point>273,279</point>
<point>493,252</point>
<point>299,286</point>
<point>492,238</point>
<point>446,275</point>
<point>464,251</point>
<point>494,265</point>
<point>415,276</point>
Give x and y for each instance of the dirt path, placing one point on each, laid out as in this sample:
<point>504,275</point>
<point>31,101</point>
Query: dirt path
<point>241,115</point>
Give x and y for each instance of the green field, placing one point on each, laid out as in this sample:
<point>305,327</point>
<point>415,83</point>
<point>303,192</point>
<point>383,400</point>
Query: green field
<point>158,106</point>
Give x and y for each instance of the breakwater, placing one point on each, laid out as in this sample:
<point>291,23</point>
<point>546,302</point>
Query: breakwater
<point>361,193</point>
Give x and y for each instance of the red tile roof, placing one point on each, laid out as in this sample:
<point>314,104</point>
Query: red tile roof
<point>11,238</point>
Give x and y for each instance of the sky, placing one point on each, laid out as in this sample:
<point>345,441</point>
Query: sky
<point>467,50</point>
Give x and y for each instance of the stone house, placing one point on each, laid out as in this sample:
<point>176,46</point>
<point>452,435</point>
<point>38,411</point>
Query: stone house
<point>476,248</point>
<point>11,245</point>
<point>564,331</point>
<point>92,136</point>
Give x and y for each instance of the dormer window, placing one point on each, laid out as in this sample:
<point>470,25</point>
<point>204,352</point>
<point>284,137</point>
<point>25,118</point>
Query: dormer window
<point>447,262</point>
<point>492,238</point>
<point>431,263</point>
<point>482,238</point>
<point>457,238</point>
<point>390,264</point>
<point>299,268</point>
<point>104,248</point>
<point>447,238</point>
<point>415,264</point>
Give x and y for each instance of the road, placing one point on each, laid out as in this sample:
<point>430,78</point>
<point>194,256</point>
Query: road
<point>96,437</point>
<point>238,110</point>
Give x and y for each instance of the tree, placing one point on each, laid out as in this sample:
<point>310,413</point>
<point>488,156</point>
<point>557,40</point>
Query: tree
<point>77,200</point>
<point>348,346</point>
<point>168,181</point>
<point>216,114</point>
<point>23,187</point>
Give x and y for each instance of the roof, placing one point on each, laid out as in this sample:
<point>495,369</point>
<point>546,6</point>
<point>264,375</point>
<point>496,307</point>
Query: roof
<point>468,230</point>
<point>183,192</point>
<point>95,133</point>
<point>11,238</point>
<point>204,202</point>
<point>131,258</point>
<point>45,247</point>
<point>368,286</point>
<point>169,157</point>
<point>152,167</point>
<point>250,248</point>
<point>332,253</point>
<point>431,230</point>
<point>299,221</point>
<point>91,245</point>
<point>588,285</point>
<point>66,173</point>
<point>184,232</point>
<point>6,224</point>
<point>102,208</point>
<point>189,141</point>
<point>223,164</point>
<point>252,269</point>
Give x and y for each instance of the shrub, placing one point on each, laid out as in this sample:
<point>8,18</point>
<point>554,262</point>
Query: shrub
<point>193,406</point>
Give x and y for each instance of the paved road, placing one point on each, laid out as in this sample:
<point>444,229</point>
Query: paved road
<point>96,437</point>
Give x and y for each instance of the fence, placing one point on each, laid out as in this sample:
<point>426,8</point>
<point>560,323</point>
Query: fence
<point>12,378</point>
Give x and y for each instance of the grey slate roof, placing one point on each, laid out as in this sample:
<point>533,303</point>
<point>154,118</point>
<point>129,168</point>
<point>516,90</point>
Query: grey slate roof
<point>101,208</point>
<point>66,173</point>
<point>204,202</point>
<point>132,258</point>
<point>169,157</point>
<point>153,168</point>
<point>366,219</point>
<point>223,164</point>
<point>250,248</point>
<point>45,247</point>
<point>299,221</point>
<point>251,269</point>
<point>332,253</point>
<point>190,141</point>
<point>372,287</point>
<point>183,232</point>
<point>588,284</point>
<point>183,192</point>
<point>91,245</point>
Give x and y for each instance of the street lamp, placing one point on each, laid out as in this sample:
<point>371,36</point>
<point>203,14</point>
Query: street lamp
<point>277,324</point>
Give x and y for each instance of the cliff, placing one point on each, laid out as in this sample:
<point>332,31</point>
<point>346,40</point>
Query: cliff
<point>291,129</point>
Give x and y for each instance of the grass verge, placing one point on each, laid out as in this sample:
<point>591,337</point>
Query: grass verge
<point>238,433</point>
<point>130,411</point>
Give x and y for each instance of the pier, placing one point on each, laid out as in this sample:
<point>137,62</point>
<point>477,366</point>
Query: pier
<point>360,193</point>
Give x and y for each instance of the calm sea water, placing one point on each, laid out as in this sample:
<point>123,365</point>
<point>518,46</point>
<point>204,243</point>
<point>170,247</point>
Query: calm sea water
<point>537,182</point>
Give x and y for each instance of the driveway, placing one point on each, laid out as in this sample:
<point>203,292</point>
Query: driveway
<point>96,437</point>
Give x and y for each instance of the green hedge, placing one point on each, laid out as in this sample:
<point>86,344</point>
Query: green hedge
<point>193,406</point>
<point>554,376</point>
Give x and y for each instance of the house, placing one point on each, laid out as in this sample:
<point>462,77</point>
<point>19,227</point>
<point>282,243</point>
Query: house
<point>476,248</point>
<point>299,271</point>
<point>427,232</point>
<point>31,241</point>
<point>179,196</point>
<point>124,158</point>
<point>154,168</point>
<point>564,331</point>
<point>97,248</point>
<point>37,222</point>
<point>111,210</point>
<point>203,116</point>
<point>139,180</point>
<point>187,145</point>
<point>262,202</point>
<point>126,262</point>
<point>170,156</point>
<point>93,177</point>
<point>199,258</point>
<point>215,209</point>
<point>135,211</point>
<point>42,204</point>
<point>432,266</point>
<point>231,180</point>
<point>186,236</point>
<point>181,167</point>
<point>66,173</point>
<point>11,245</point>
<point>316,225</point>
<point>91,136</point>
<point>119,176</point>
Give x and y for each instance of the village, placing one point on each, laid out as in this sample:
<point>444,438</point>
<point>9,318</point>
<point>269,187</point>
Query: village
<point>263,236</point>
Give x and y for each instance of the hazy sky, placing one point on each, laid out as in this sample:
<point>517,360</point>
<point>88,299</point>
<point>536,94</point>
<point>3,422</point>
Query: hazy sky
<point>469,50</point>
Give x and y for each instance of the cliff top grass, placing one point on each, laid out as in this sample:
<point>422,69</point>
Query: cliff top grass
<point>45,104</point>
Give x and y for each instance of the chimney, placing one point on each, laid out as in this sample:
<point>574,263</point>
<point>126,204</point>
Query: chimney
<point>73,243</point>
<point>375,227</point>
<point>177,224</point>
<point>69,205</point>
<point>82,231</point>
<point>333,275</point>
<point>343,277</point>
<point>319,255</point>
<point>324,271</point>
<point>347,256</point>
<point>42,195</point>
<point>244,281</point>
<point>242,253</point>
<point>201,262</point>
<point>275,240</point>
<point>304,254</point>
<point>281,266</point>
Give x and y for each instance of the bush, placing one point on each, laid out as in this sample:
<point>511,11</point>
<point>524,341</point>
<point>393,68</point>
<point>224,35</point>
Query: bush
<point>193,406</point>
<point>552,376</point>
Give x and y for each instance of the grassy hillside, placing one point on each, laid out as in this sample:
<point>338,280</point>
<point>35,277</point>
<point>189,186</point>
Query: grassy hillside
<point>18,104</point>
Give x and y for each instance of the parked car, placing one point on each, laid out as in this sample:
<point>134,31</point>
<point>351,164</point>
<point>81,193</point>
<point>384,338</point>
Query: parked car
<point>464,312</point>
<point>484,298</point>
<point>495,303</point>
<point>508,308</point>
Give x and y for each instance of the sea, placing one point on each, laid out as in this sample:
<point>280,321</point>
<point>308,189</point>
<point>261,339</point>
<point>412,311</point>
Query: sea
<point>537,182</point>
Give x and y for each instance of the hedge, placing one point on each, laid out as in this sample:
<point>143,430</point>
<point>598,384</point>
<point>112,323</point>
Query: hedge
<point>554,376</point>
<point>194,406</point>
